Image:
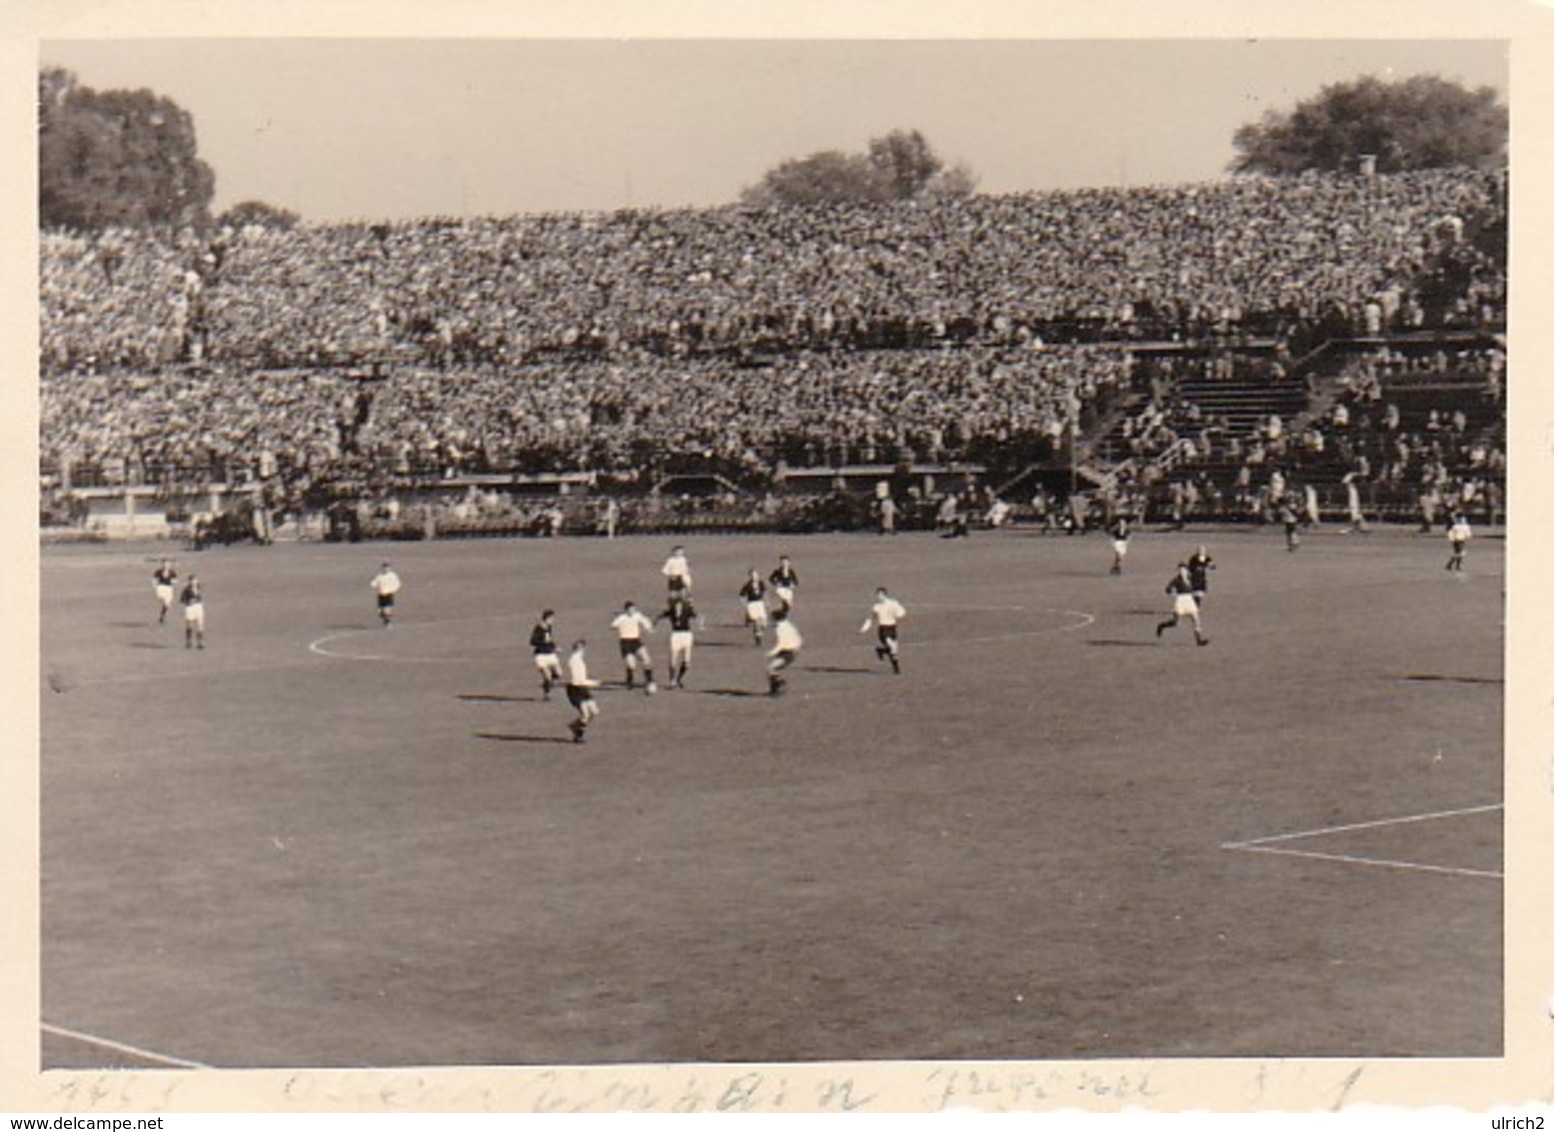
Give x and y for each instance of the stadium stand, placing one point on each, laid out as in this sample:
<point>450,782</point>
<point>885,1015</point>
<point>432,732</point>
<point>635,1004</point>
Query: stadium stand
<point>1198,340</point>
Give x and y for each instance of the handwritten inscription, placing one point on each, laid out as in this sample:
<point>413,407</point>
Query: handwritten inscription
<point>694,1089</point>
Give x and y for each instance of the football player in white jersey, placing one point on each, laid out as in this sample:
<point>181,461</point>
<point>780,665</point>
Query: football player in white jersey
<point>885,616</point>
<point>385,583</point>
<point>678,571</point>
<point>580,691</point>
<point>784,652</point>
<point>629,626</point>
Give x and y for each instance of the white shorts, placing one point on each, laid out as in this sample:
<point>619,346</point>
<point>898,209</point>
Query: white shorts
<point>755,612</point>
<point>1186,606</point>
<point>680,640</point>
<point>164,594</point>
<point>547,662</point>
<point>1120,547</point>
<point>194,616</point>
<point>785,593</point>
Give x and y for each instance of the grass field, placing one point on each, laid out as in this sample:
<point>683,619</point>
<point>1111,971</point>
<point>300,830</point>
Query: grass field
<point>320,843</point>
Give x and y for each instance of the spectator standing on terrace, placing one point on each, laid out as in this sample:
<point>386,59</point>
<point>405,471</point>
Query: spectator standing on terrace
<point>1078,507</point>
<point>997,513</point>
<point>1429,502</point>
<point>887,514</point>
<point>1041,510</point>
<point>1352,500</point>
<point>948,516</point>
<point>1313,507</point>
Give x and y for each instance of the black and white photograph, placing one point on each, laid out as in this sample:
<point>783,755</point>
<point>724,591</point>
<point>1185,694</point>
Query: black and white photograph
<point>969,564</point>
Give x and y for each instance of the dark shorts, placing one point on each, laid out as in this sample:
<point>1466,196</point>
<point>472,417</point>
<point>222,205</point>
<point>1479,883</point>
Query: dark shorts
<point>577,695</point>
<point>631,648</point>
<point>385,601</point>
<point>887,634</point>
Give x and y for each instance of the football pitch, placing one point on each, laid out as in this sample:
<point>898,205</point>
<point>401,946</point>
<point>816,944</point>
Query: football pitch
<point>322,843</point>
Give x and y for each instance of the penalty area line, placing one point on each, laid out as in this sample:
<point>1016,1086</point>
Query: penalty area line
<point>1378,862</point>
<point>1351,826</point>
<point>122,1047</point>
<point>1275,843</point>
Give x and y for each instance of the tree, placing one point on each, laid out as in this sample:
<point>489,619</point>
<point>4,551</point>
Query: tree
<point>117,158</point>
<point>956,181</point>
<point>827,176</point>
<point>900,165</point>
<point>1423,122</point>
<point>903,163</point>
<point>259,214</point>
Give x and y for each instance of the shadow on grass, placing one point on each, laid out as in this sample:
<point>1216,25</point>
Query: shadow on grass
<point>1437,678</point>
<point>836,668</point>
<point>497,698</point>
<point>135,624</point>
<point>740,693</point>
<point>500,738</point>
<point>149,645</point>
<point>1117,644</point>
<point>348,628</point>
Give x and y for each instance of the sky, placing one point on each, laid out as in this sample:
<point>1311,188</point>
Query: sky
<point>394,128</point>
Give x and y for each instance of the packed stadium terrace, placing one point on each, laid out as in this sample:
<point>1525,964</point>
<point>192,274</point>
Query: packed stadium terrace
<point>802,410</point>
<point>757,336</point>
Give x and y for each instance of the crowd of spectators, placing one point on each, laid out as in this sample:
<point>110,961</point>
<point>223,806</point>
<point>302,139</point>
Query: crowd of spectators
<point>637,413</point>
<point>1418,430</point>
<point>123,299</point>
<point>1236,256</point>
<point>743,341</point>
<point>1381,430</point>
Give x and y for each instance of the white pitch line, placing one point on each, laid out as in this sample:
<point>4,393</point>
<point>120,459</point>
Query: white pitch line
<point>1362,825</point>
<point>969,608</point>
<point>123,1047</point>
<point>316,646</point>
<point>1379,862</point>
